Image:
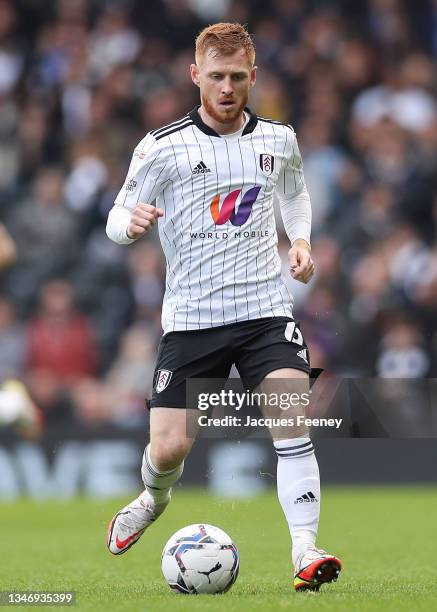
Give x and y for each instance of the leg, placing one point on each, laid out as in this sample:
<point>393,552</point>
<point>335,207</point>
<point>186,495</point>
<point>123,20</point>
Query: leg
<point>173,427</point>
<point>169,440</point>
<point>162,467</point>
<point>298,479</point>
<point>163,459</point>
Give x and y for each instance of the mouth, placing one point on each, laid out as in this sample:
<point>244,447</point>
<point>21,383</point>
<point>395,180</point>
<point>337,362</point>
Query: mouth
<point>227,104</point>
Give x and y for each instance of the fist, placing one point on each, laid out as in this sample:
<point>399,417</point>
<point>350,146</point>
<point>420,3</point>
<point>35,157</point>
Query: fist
<point>143,218</point>
<point>301,264</point>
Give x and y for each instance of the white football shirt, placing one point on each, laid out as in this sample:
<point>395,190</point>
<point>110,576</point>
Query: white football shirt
<point>218,233</point>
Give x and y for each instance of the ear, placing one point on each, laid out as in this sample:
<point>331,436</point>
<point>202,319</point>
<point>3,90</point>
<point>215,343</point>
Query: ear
<point>194,72</point>
<point>253,76</point>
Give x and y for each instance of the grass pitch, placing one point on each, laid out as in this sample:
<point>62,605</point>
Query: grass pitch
<point>386,538</point>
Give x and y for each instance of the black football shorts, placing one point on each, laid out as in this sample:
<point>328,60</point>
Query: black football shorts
<point>255,347</point>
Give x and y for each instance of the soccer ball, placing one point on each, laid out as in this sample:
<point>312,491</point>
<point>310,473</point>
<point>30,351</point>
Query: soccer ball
<point>200,559</point>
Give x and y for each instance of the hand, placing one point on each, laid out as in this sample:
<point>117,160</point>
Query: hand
<point>8,252</point>
<point>301,264</point>
<point>142,219</point>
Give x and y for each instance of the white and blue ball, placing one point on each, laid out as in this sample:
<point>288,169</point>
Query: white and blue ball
<point>200,559</point>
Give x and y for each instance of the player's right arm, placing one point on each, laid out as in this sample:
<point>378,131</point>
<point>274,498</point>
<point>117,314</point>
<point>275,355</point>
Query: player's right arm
<point>142,219</point>
<point>132,215</point>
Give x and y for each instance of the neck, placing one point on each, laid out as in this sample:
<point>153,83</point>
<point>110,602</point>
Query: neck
<point>222,128</point>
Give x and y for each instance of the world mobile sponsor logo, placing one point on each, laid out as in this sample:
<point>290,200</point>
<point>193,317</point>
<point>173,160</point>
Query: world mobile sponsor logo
<point>227,211</point>
<point>226,235</point>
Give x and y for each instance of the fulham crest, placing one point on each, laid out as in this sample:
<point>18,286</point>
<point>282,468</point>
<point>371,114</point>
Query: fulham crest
<point>267,163</point>
<point>163,379</point>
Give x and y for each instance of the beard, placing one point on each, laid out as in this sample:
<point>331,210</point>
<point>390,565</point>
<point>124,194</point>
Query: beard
<point>223,116</point>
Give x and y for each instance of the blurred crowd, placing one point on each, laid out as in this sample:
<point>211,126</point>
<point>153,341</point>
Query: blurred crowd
<point>82,81</point>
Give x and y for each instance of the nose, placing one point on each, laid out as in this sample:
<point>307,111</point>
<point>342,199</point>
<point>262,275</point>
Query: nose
<point>227,88</point>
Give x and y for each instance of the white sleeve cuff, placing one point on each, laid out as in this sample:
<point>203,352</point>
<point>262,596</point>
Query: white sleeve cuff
<point>296,215</point>
<point>116,227</point>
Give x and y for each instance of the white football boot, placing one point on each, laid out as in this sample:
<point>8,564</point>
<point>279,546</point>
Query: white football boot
<point>315,567</point>
<point>129,524</point>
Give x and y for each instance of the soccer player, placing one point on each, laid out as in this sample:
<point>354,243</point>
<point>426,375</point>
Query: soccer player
<point>212,175</point>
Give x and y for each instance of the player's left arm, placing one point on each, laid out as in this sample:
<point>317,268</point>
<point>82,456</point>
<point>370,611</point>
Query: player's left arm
<point>295,205</point>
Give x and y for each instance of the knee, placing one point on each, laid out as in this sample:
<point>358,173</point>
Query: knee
<point>169,453</point>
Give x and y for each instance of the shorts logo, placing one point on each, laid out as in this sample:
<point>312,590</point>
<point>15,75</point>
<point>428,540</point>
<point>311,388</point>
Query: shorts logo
<point>227,211</point>
<point>164,377</point>
<point>303,355</point>
<point>293,334</point>
<point>267,163</point>
<point>131,185</point>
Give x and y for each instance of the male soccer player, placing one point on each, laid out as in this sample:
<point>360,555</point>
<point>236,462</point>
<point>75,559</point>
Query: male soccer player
<point>213,174</point>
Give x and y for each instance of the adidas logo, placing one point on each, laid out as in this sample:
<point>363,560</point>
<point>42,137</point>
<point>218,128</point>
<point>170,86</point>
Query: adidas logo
<point>201,168</point>
<point>303,354</point>
<point>306,498</point>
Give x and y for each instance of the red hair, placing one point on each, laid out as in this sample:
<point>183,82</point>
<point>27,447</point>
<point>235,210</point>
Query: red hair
<point>224,39</point>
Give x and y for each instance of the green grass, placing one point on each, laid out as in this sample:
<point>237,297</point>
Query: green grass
<point>385,537</point>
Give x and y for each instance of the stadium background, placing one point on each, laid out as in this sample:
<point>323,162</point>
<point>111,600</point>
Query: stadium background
<point>81,82</point>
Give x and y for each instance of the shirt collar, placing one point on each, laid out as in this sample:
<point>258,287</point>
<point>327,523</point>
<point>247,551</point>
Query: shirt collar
<point>197,120</point>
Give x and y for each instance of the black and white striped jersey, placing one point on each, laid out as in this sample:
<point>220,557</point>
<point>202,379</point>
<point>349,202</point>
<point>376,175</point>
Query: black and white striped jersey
<point>218,232</point>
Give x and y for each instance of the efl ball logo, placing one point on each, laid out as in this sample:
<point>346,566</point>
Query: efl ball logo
<point>267,163</point>
<point>131,185</point>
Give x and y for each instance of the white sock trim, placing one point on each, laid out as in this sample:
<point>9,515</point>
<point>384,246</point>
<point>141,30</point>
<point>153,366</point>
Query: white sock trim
<point>153,467</point>
<point>156,482</point>
<point>294,447</point>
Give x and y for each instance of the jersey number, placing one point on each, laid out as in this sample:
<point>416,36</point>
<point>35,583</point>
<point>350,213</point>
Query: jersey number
<point>293,333</point>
